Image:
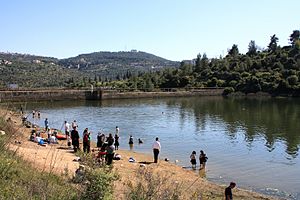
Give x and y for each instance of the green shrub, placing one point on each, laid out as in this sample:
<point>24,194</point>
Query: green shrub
<point>293,79</point>
<point>228,90</point>
<point>99,184</point>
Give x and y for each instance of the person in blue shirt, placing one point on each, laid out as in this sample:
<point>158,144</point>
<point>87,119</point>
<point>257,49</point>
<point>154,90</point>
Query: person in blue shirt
<point>46,124</point>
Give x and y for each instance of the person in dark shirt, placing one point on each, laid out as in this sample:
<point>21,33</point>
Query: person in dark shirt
<point>75,139</point>
<point>117,142</point>
<point>203,159</point>
<point>228,192</point>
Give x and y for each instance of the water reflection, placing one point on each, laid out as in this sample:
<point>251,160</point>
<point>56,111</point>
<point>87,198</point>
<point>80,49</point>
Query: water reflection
<point>273,119</point>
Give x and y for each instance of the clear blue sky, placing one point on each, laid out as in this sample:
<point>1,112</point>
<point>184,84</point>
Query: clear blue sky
<point>173,29</point>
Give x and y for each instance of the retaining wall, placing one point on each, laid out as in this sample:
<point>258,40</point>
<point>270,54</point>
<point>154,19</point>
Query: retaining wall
<point>53,95</point>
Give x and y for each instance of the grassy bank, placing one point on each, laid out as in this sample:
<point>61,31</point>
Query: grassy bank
<point>20,179</point>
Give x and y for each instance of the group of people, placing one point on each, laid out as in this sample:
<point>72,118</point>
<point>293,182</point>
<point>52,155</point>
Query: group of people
<point>51,137</point>
<point>34,113</point>
<point>202,158</point>
<point>108,144</point>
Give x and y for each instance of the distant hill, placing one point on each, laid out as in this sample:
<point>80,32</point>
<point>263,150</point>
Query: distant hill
<point>30,71</point>
<point>37,71</point>
<point>110,64</point>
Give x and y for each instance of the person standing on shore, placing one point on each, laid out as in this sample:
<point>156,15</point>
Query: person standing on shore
<point>46,124</point>
<point>117,142</point>
<point>228,192</point>
<point>117,130</point>
<point>110,139</point>
<point>156,148</point>
<point>74,124</point>
<point>67,128</point>
<point>75,139</point>
<point>86,141</point>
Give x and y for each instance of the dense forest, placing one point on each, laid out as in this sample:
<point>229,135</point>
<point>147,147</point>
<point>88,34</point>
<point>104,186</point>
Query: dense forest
<point>274,70</point>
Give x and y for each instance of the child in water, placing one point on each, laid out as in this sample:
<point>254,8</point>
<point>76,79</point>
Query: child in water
<point>203,159</point>
<point>193,159</point>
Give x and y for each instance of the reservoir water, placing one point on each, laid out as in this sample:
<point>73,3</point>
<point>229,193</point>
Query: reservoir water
<point>254,142</point>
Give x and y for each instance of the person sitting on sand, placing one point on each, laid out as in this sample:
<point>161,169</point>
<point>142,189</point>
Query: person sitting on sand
<point>193,159</point>
<point>79,174</point>
<point>53,139</point>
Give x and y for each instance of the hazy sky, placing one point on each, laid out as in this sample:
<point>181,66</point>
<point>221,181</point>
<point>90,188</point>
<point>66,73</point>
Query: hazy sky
<point>173,29</point>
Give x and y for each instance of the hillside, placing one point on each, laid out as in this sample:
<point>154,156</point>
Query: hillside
<point>28,71</point>
<point>111,64</point>
<point>274,70</point>
<point>32,71</point>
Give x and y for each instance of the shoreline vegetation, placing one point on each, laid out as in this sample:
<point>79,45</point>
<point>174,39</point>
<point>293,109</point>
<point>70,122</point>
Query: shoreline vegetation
<point>31,171</point>
<point>273,69</point>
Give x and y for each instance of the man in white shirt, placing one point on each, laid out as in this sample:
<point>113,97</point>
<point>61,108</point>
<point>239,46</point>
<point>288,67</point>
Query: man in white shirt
<point>74,124</point>
<point>156,148</point>
<point>67,128</point>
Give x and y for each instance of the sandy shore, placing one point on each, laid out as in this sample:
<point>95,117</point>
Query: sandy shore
<point>59,159</point>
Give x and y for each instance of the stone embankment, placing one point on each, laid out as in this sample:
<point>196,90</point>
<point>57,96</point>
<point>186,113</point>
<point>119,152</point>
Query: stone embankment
<point>99,94</point>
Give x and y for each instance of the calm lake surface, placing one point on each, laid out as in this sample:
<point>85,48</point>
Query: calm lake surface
<point>254,142</point>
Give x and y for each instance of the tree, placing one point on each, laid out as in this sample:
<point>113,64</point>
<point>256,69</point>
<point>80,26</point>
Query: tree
<point>294,37</point>
<point>234,51</point>
<point>273,43</point>
<point>198,63</point>
<point>204,61</point>
<point>252,48</point>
